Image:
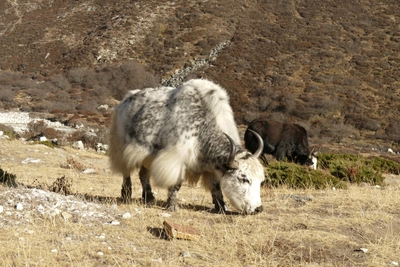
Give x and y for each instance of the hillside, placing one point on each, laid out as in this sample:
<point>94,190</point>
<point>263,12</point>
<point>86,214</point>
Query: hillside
<point>331,66</point>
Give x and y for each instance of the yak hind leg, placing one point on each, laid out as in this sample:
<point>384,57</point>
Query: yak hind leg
<point>144,176</point>
<point>173,201</point>
<point>218,198</point>
<point>126,191</point>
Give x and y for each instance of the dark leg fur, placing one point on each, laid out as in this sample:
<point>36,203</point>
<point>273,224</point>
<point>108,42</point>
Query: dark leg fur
<point>126,191</point>
<point>173,201</point>
<point>218,199</point>
<point>144,176</point>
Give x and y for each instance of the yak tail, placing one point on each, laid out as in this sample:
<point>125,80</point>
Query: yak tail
<point>168,168</point>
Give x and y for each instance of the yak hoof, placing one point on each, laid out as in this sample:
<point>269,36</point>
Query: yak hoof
<point>220,206</point>
<point>148,199</point>
<point>172,208</point>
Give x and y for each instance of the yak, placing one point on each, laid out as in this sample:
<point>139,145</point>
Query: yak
<point>282,140</point>
<point>187,133</point>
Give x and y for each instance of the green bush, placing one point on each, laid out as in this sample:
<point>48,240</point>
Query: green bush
<point>357,169</point>
<point>335,170</point>
<point>297,176</point>
<point>384,165</point>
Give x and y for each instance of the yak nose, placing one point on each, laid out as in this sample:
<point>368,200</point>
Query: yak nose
<point>259,209</point>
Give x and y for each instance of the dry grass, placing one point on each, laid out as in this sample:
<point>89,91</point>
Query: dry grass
<point>297,227</point>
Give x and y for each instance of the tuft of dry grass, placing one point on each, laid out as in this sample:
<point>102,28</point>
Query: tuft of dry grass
<point>298,227</point>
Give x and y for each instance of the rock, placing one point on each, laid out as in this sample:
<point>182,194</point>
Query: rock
<point>30,160</point>
<point>89,171</point>
<point>174,230</point>
<point>42,139</point>
<point>19,206</point>
<point>185,254</point>
<point>78,145</point>
<point>102,108</point>
<point>126,215</point>
<point>115,222</point>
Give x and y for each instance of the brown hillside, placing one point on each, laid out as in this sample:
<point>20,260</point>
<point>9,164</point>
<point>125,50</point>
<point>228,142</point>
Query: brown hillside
<point>329,65</point>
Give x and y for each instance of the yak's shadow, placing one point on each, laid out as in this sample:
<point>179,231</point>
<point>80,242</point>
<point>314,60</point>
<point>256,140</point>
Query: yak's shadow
<point>157,203</point>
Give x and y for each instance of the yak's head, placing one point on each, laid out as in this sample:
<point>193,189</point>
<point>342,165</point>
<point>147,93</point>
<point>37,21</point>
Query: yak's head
<point>241,182</point>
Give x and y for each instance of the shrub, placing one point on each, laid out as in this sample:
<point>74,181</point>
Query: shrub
<point>61,185</point>
<point>7,94</point>
<point>35,128</point>
<point>61,82</point>
<point>88,139</point>
<point>296,176</point>
<point>8,178</point>
<point>355,168</point>
<point>356,172</point>
<point>9,131</point>
<point>384,165</point>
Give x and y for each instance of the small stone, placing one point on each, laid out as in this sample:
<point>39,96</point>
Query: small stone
<point>365,250</point>
<point>115,222</point>
<point>54,250</point>
<point>100,253</point>
<point>40,208</point>
<point>164,214</point>
<point>126,215</point>
<point>19,206</point>
<point>395,263</point>
<point>89,171</point>
<point>185,254</point>
<point>1,209</point>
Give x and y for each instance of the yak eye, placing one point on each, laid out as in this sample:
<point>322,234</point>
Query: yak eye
<point>244,179</point>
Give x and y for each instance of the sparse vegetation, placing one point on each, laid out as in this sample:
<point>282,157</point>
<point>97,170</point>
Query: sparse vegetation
<point>8,179</point>
<point>295,176</point>
<point>330,65</point>
<point>298,227</point>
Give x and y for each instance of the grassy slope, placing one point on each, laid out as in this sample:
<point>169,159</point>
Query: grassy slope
<point>325,231</point>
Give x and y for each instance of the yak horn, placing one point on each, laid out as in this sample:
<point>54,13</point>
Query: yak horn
<point>260,144</point>
<point>232,163</point>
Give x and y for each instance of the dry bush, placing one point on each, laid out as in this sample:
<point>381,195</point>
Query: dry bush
<point>61,185</point>
<point>77,76</point>
<point>7,94</point>
<point>60,81</point>
<point>392,131</point>
<point>8,179</point>
<point>52,133</point>
<point>9,131</point>
<point>88,139</point>
<point>73,164</point>
<point>35,128</point>
<point>361,122</point>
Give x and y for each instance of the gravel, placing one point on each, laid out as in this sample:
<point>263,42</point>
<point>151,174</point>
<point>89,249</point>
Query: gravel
<point>24,205</point>
<point>19,121</point>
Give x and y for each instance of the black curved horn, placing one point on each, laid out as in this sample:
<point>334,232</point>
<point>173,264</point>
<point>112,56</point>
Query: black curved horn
<point>260,143</point>
<point>232,163</point>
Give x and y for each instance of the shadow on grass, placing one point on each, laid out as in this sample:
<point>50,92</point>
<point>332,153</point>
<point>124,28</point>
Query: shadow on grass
<point>157,203</point>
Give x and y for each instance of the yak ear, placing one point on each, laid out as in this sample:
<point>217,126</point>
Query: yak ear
<point>232,163</point>
<point>260,144</point>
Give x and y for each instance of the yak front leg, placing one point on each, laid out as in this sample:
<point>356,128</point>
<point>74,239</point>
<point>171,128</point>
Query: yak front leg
<point>144,176</point>
<point>218,199</point>
<point>126,191</point>
<point>173,201</point>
